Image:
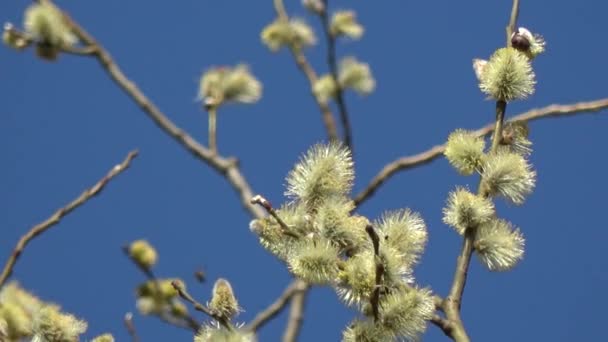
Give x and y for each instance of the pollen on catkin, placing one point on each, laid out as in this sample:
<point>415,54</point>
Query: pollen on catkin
<point>50,325</point>
<point>229,85</point>
<point>509,175</point>
<point>404,312</point>
<point>295,34</point>
<point>507,76</point>
<point>325,88</point>
<point>46,23</point>
<point>464,151</point>
<point>344,23</point>
<point>466,210</point>
<point>366,331</point>
<point>499,245</point>
<point>405,232</point>
<point>223,301</point>
<point>215,333</point>
<point>323,172</point>
<point>315,261</point>
<point>356,75</point>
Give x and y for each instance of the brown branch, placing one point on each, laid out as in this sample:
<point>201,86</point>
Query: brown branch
<point>311,75</point>
<point>512,21</point>
<point>375,297</point>
<point>131,327</point>
<point>296,312</point>
<point>181,290</point>
<point>59,214</point>
<point>435,152</point>
<point>333,68</point>
<point>264,203</point>
<point>273,309</point>
<point>442,324</point>
<point>227,167</point>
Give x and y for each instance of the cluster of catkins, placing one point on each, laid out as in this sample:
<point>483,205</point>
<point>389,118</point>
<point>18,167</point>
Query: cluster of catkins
<point>324,243</point>
<point>505,171</point>
<point>25,317</point>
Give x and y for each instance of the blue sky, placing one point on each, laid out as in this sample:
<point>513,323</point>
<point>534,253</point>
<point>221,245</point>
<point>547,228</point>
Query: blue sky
<point>64,124</point>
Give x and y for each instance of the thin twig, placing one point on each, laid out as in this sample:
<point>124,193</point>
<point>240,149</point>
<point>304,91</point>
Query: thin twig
<point>442,324</point>
<point>311,75</point>
<point>513,21</point>
<point>227,167</point>
<point>296,312</point>
<point>186,322</point>
<point>212,112</point>
<point>333,68</point>
<point>273,309</point>
<point>131,327</point>
<point>264,203</point>
<point>59,214</point>
<point>375,296</point>
<point>181,290</point>
<point>409,162</point>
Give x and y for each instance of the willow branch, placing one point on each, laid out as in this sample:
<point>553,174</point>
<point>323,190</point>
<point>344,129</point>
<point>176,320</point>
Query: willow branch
<point>128,320</point>
<point>311,75</point>
<point>375,296</point>
<point>513,21</point>
<point>60,214</point>
<point>333,68</point>
<point>227,167</point>
<point>296,312</point>
<point>409,162</point>
<point>275,308</point>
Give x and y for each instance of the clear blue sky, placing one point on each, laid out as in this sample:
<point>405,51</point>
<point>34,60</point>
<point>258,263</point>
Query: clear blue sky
<point>64,124</point>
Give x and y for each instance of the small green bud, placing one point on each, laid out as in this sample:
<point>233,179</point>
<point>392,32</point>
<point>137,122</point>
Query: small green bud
<point>143,253</point>
<point>344,23</point>
<point>179,309</point>
<point>464,151</point>
<point>223,302</point>
<point>507,76</point>
<point>509,175</point>
<point>356,75</point>
<point>325,88</point>
<point>227,84</point>
<point>499,245</point>
<point>295,34</point>
<point>466,210</point>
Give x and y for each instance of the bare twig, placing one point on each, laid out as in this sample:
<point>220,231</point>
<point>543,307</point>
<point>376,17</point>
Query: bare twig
<point>275,308</point>
<point>227,167</point>
<point>264,203</point>
<point>513,21</point>
<point>375,297</point>
<point>311,75</point>
<point>442,324</point>
<point>333,68</point>
<point>131,327</point>
<point>59,214</point>
<point>435,152</point>
<point>181,290</point>
<point>296,312</point>
<point>186,322</point>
